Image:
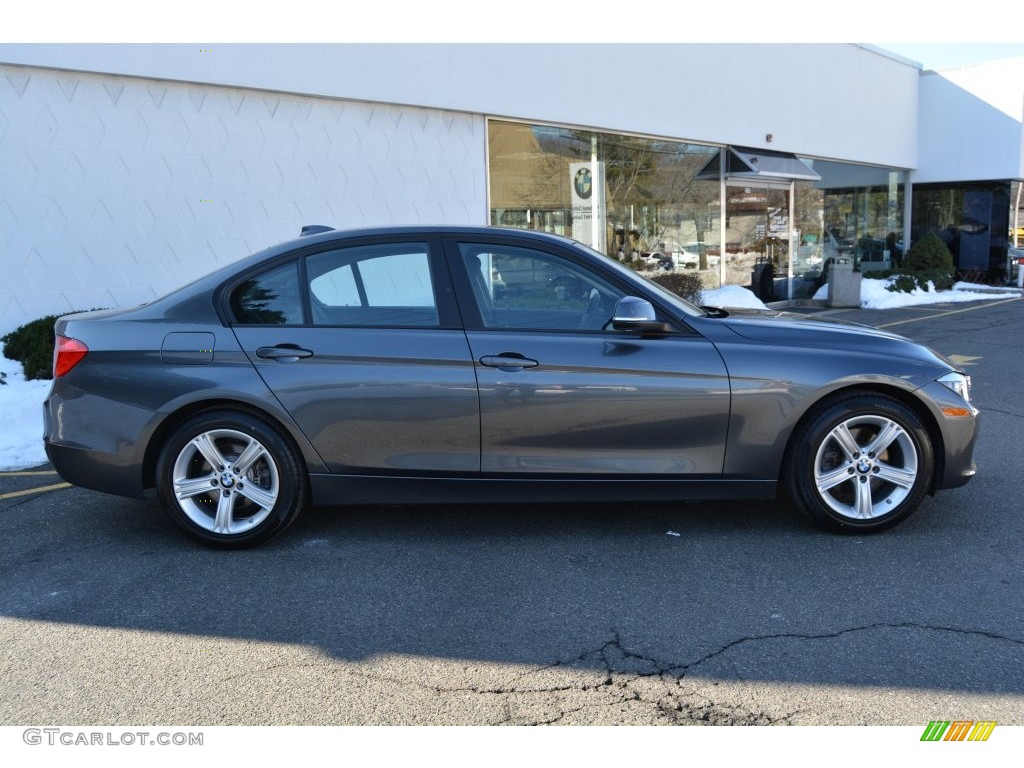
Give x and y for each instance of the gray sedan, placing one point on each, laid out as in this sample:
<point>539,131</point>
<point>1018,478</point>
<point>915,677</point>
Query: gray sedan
<point>479,364</point>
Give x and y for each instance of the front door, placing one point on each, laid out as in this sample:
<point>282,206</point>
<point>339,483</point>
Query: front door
<point>562,393</point>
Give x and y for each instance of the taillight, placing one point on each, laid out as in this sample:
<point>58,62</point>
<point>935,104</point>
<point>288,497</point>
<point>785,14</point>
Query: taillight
<point>66,355</point>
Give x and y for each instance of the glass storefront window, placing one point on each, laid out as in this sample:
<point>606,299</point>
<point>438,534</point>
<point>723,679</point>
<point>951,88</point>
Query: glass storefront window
<point>855,212</point>
<point>635,199</point>
<point>1016,214</point>
<point>647,202</point>
<point>973,220</point>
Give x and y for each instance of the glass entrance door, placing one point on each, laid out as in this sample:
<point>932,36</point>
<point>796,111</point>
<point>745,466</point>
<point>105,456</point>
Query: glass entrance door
<point>757,239</point>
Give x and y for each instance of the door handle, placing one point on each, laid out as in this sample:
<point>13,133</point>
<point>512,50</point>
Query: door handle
<point>508,361</point>
<point>284,353</point>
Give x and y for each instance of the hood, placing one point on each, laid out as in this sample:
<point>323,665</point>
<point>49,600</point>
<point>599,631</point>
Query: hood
<point>790,328</point>
<point>774,325</point>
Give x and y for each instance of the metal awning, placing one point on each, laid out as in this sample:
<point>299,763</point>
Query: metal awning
<point>753,164</point>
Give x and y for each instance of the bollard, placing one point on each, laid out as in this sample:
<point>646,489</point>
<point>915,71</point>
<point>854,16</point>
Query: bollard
<point>1020,273</point>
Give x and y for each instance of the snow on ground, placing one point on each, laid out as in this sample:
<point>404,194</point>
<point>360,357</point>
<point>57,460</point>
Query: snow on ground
<point>874,295</point>
<point>732,296</point>
<point>21,406</point>
<point>21,443</point>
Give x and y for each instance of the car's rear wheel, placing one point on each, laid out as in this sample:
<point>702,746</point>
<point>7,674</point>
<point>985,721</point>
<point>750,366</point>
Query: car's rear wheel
<point>230,479</point>
<point>861,463</point>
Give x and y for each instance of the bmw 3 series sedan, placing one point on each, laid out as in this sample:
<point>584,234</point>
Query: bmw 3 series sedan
<point>482,365</point>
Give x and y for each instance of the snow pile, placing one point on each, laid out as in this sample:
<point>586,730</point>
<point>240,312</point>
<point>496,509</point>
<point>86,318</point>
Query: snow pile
<point>875,295</point>
<point>21,403</point>
<point>732,296</point>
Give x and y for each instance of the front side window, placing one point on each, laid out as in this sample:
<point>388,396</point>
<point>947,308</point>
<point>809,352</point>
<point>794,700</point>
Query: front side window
<point>373,285</point>
<point>523,288</point>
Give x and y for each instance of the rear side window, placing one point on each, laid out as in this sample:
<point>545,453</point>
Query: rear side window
<point>385,284</point>
<point>270,298</point>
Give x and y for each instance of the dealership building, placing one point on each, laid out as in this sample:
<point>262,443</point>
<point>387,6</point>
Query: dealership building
<point>127,170</point>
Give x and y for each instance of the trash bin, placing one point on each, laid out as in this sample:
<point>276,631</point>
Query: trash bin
<point>762,280</point>
<point>843,284</point>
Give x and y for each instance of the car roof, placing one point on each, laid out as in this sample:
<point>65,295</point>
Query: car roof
<point>426,229</point>
<point>331,235</point>
<point>212,279</point>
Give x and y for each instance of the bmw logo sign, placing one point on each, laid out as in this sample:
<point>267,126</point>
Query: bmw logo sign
<point>584,183</point>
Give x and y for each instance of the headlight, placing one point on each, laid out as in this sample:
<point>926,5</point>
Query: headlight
<point>959,383</point>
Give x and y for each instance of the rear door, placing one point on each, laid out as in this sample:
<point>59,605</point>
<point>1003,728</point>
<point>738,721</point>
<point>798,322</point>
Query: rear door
<point>362,345</point>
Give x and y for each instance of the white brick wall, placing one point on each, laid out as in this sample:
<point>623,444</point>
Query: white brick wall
<point>114,190</point>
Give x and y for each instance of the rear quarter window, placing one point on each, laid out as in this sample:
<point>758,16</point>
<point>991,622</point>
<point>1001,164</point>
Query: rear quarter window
<point>270,298</point>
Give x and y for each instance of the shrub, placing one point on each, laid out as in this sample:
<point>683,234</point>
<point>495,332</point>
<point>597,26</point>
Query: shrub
<point>928,264</point>
<point>685,284</point>
<point>32,345</point>
<point>902,283</point>
<point>941,279</point>
<point>930,258</point>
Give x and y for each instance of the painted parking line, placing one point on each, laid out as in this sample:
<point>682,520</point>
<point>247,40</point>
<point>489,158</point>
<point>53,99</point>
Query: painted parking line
<point>42,489</point>
<point>28,474</point>
<point>986,305</point>
<point>963,360</point>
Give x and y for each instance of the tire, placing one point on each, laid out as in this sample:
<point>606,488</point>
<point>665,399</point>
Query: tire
<point>860,464</point>
<point>231,480</point>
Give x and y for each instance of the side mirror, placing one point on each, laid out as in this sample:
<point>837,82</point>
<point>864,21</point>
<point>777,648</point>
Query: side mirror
<point>635,314</point>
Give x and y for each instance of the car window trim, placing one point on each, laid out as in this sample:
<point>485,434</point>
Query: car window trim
<point>449,317</point>
<point>473,320</point>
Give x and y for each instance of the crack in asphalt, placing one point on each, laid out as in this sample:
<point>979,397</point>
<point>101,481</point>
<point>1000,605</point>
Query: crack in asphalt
<point>23,500</point>
<point>840,633</point>
<point>631,679</point>
<point>674,705</point>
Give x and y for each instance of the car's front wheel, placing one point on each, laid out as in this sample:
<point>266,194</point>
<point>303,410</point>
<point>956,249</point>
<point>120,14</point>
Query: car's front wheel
<point>861,463</point>
<point>230,479</point>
